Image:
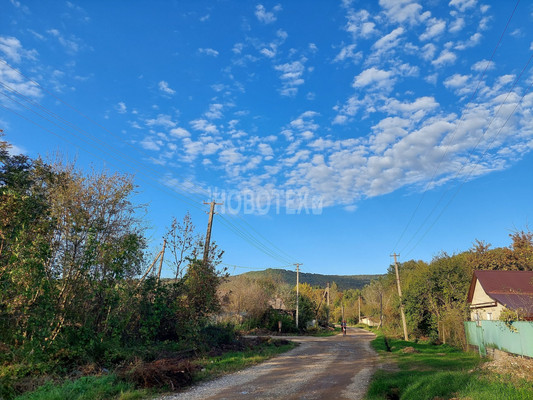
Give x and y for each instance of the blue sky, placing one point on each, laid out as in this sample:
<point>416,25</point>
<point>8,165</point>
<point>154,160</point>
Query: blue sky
<point>335,133</point>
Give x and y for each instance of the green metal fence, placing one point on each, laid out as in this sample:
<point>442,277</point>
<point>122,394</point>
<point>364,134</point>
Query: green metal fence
<point>515,337</point>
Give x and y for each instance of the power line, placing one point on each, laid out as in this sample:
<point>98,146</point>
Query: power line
<point>239,231</point>
<point>470,155</point>
<point>471,170</point>
<point>455,131</point>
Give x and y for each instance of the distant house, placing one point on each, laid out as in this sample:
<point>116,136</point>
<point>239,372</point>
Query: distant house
<point>491,292</point>
<point>369,321</point>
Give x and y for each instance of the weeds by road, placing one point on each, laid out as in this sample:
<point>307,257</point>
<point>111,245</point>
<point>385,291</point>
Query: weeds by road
<point>427,371</point>
<point>111,386</point>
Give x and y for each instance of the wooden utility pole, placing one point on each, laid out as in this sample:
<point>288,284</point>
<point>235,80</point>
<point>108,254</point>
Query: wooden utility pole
<point>359,318</point>
<point>297,290</point>
<point>406,337</point>
<point>327,302</point>
<point>161,261</point>
<point>209,226</point>
<point>160,254</point>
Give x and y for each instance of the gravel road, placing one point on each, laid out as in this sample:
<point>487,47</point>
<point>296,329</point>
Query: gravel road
<point>336,367</point>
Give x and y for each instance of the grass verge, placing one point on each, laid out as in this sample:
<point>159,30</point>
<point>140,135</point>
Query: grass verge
<point>111,387</point>
<point>87,388</point>
<point>427,371</point>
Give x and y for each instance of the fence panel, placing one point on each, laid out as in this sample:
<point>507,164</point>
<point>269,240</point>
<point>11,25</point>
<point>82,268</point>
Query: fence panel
<point>516,338</point>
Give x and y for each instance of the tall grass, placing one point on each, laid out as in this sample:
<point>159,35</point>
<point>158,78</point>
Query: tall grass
<point>439,372</point>
<point>87,388</point>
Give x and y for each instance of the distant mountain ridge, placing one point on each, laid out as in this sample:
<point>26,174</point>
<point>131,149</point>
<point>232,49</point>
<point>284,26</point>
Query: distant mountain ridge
<point>343,282</point>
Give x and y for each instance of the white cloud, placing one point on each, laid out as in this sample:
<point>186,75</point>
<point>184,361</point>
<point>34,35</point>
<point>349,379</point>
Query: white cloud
<point>162,120</point>
<point>415,110</point>
<point>291,76</point>
<point>359,24</point>
<point>340,119</point>
<point>428,51</point>
<point>483,65</point>
<point>400,11</point>
<point>457,81</point>
<point>71,45</point>
<point>192,149</point>
<point>215,111</point>
<point>471,42</point>
<point>151,143</point>
<point>264,16</point>
<point>457,25</point>
<point>445,57</point>
<point>13,50</point>
<point>389,41</point>
<point>305,122</point>
<point>180,132</point>
<point>265,149</point>
<point>208,52</point>
<point>348,52</point>
<point>16,82</point>
<point>210,148</point>
<point>372,76</point>
<point>163,86</point>
<point>230,156</point>
<point>237,48</point>
<point>462,5</point>
<point>204,126</point>
<point>269,52</point>
<point>121,108</point>
<point>435,27</point>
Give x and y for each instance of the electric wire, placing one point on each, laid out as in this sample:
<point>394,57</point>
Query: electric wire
<point>83,115</point>
<point>470,155</point>
<point>455,131</point>
<point>249,238</point>
<point>83,132</point>
<point>471,170</point>
<point>202,190</point>
<point>186,199</point>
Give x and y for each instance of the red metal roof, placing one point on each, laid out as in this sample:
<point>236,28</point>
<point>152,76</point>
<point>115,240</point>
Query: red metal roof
<point>513,289</point>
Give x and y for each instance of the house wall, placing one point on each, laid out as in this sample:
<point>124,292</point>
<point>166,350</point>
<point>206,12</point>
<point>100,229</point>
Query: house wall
<point>485,313</point>
<point>369,322</point>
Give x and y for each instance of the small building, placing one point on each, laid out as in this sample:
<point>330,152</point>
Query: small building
<point>369,321</point>
<point>491,292</point>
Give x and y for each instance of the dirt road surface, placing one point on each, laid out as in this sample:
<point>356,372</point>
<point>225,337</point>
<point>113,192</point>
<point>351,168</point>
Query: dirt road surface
<point>336,367</point>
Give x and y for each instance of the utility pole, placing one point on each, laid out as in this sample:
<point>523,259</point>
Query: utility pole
<point>406,337</point>
<point>297,290</point>
<point>359,318</point>
<point>209,225</point>
<point>327,302</point>
<point>161,261</point>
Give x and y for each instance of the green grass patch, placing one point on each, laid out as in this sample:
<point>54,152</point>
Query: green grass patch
<point>212,367</point>
<point>323,332</point>
<point>87,388</point>
<point>429,371</point>
<point>111,387</point>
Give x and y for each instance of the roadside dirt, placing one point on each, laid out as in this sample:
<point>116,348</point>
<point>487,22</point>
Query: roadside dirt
<point>516,367</point>
<point>337,367</point>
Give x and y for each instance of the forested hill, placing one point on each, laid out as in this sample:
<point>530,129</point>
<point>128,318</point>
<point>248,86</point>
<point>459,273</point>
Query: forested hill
<point>343,282</point>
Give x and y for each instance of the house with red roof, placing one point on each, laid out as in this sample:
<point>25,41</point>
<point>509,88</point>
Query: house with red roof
<point>491,292</point>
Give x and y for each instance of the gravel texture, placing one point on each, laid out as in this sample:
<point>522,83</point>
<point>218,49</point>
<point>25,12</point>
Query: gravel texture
<point>337,367</point>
